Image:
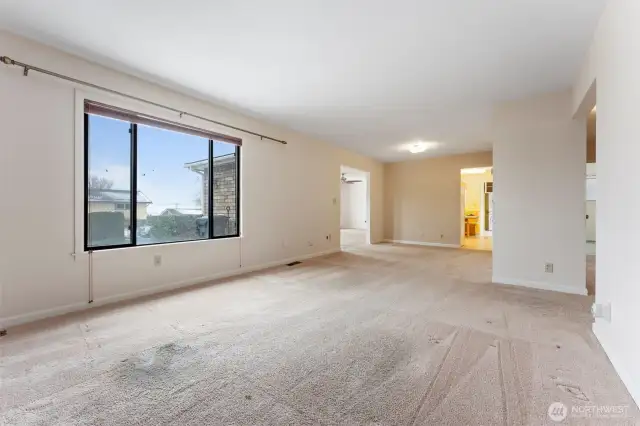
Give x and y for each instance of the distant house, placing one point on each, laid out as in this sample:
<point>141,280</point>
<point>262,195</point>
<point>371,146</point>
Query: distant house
<point>224,181</point>
<point>195,211</point>
<point>117,200</point>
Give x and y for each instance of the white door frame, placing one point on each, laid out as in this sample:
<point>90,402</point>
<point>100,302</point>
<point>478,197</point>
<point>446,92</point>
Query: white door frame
<point>366,177</point>
<point>463,203</point>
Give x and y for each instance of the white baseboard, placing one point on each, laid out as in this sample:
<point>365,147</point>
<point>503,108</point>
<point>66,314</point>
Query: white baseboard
<point>541,286</point>
<point>47,313</point>
<point>201,280</point>
<point>248,269</point>
<point>38,315</point>
<point>422,243</point>
<point>602,332</point>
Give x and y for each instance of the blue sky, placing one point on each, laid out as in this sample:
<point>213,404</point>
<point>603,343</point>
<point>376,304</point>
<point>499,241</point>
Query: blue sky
<point>161,157</point>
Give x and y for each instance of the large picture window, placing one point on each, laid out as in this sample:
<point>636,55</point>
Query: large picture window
<point>150,181</point>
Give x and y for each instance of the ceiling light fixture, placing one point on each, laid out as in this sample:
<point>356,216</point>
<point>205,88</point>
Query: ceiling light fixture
<point>418,147</point>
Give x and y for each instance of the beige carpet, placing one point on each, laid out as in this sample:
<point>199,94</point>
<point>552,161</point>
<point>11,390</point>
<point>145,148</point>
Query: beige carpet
<point>378,335</point>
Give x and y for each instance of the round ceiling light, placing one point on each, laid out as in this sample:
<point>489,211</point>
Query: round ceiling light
<point>418,147</point>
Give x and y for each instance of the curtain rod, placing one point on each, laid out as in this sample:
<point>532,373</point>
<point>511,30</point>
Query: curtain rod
<point>27,68</point>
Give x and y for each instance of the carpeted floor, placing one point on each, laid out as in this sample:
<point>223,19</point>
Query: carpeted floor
<point>376,335</point>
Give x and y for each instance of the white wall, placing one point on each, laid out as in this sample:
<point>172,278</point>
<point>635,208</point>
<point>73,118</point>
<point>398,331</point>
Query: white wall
<point>345,206</point>
<point>289,195</point>
<point>614,60</point>
<point>539,160</point>
<point>591,185</point>
<point>353,205</point>
<point>422,198</point>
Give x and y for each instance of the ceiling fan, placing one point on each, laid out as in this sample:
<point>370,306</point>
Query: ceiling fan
<point>344,179</point>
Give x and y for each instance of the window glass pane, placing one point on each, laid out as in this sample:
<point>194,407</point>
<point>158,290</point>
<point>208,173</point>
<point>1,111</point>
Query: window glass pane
<point>109,182</point>
<point>225,189</point>
<point>172,169</point>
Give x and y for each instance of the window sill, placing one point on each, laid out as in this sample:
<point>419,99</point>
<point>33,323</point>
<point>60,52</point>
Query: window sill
<point>128,246</point>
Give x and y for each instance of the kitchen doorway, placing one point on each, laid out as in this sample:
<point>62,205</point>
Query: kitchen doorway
<point>476,189</point>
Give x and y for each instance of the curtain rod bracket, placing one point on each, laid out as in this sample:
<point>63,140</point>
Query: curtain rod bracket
<point>26,71</point>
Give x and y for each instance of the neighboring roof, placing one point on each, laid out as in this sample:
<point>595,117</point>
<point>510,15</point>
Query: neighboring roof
<point>181,212</point>
<point>202,164</point>
<point>115,196</point>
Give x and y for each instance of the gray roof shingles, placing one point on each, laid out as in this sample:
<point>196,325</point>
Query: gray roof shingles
<point>115,196</point>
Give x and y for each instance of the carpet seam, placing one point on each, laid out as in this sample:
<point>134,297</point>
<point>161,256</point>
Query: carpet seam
<point>414,418</point>
<point>502,385</point>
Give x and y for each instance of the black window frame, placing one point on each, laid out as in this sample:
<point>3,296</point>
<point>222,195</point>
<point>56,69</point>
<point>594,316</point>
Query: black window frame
<point>133,131</point>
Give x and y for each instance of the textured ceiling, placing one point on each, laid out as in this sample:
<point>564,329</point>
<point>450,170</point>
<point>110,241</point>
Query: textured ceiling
<point>370,75</point>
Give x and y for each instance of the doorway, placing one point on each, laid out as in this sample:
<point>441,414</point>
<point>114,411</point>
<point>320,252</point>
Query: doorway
<point>476,189</point>
<point>354,208</point>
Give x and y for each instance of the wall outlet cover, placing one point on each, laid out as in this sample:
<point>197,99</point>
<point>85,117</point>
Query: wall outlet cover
<point>548,268</point>
<point>157,260</point>
<point>601,310</point>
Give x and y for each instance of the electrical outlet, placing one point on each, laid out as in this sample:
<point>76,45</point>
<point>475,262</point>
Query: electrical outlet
<point>601,311</point>
<point>548,268</point>
<point>157,260</point>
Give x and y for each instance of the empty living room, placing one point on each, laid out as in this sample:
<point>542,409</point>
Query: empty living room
<point>254,212</point>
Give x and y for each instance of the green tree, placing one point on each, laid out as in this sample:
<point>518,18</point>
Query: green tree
<point>97,182</point>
